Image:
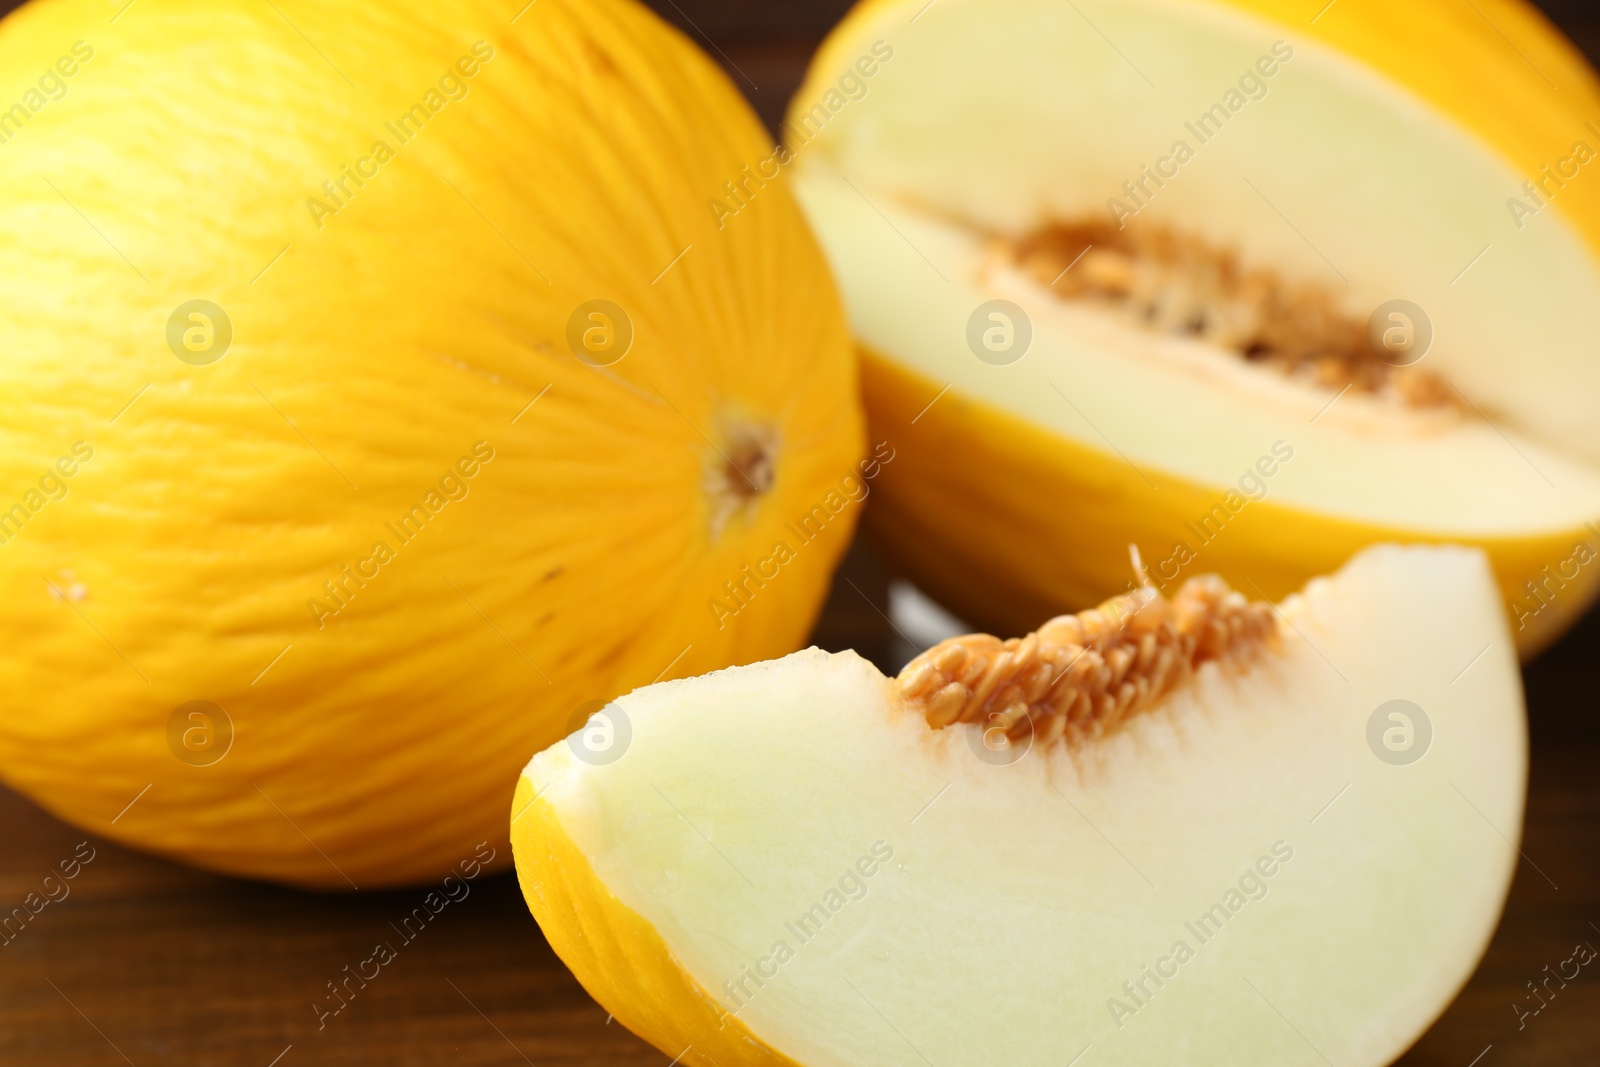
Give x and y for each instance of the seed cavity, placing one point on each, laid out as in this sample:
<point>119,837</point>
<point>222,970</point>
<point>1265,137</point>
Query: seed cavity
<point>1175,283</point>
<point>1079,676</point>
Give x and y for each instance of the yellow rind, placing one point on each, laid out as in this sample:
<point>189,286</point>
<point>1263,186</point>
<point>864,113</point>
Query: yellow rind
<point>618,956</point>
<point>1052,535</point>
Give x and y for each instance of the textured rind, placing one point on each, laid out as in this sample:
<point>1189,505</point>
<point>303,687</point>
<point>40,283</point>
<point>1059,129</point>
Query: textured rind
<point>617,955</point>
<point>1052,536</point>
<point>1055,535</point>
<point>373,351</point>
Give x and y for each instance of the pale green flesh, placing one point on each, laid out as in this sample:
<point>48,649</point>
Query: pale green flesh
<point>1019,898</point>
<point>996,117</point>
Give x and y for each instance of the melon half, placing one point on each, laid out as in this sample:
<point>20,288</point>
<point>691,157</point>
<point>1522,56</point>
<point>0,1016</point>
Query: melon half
<point>1184,830</point>
<point>1274,286</point>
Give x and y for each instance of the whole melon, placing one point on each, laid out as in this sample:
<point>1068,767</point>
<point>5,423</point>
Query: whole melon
<point>378,394</point>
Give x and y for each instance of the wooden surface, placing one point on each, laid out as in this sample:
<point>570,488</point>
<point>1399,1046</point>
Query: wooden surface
<point>152,964</point>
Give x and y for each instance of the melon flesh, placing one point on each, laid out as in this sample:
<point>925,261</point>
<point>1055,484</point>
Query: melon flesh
<point>995,118</point>
<point>904,902</point>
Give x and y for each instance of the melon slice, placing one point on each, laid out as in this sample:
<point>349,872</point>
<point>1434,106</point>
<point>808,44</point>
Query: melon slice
<point>1274,289</point>
<point>1181,830</point>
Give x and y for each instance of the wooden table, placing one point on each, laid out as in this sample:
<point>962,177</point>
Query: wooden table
<point>152,964</point>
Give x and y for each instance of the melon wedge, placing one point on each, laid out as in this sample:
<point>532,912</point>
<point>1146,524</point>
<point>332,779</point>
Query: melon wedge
<point>1216,840</point>
<point>1251,189</point>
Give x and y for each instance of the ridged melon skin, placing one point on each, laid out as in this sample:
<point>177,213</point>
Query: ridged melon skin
<point>422,324</point>
<point>1043,524</point>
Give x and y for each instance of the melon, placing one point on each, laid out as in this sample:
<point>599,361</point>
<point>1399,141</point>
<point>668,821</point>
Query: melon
<point>378,394</point>
<point>1159,829</point>
<point>1247,287</point>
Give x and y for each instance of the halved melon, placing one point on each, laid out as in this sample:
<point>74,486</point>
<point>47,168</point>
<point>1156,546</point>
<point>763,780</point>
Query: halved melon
<point>1169,829</point>
<point>1277,287</point>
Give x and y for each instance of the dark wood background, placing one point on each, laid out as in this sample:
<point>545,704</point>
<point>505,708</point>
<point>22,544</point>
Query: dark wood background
<point>151,964</point>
